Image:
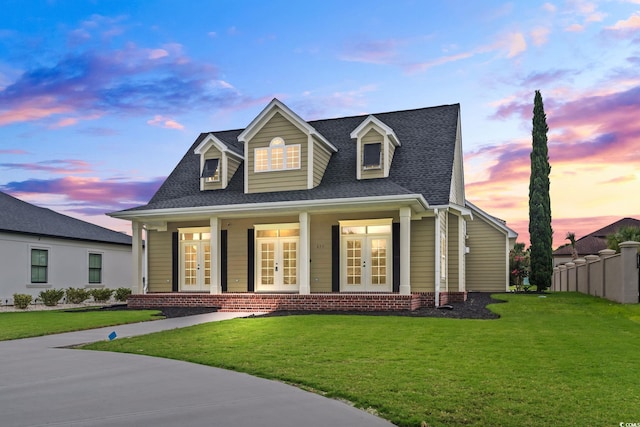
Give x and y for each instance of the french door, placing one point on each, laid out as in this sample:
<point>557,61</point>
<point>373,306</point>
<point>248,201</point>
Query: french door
<point>277,259</point>
<point>366,257</point>
<point>195,260</point>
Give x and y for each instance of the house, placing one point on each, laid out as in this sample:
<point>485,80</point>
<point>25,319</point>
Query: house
<point>364,212</point>
<point>41,249</point>
<point>593,242</point>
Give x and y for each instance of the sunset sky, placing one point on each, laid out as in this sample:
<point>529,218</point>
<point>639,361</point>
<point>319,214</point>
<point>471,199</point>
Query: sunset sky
<point>99,100</point>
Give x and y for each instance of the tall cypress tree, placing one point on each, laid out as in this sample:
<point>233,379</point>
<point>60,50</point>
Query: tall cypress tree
<point>540,231</point>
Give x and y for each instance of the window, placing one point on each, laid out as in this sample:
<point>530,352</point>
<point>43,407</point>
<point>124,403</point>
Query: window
<point>95,268</point>
<point>211,170</point>
<point>372,156</point>
<point>39,265</point>
<point>277,156</point>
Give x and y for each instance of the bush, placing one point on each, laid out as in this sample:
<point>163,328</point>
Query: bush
<point>50,297</point>
<point>101,295</point>
<point>77,295</point>
<point>121,294</point>
<point>21,301</point>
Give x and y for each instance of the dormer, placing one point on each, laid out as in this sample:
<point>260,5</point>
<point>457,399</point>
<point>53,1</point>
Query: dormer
<point>283,152</point>
<point>218,163</point>
<point>376,144</point>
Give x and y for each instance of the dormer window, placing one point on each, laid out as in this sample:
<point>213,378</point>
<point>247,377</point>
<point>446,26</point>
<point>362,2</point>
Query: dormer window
<point>372,156</point>
<point>211,170</point>
<point>277,156</point>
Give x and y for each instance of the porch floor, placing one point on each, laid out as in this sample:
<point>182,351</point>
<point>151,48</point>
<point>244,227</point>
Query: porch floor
<point>295,302</point>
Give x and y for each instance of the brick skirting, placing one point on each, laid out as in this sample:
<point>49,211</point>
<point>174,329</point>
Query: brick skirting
<point>297,302</point>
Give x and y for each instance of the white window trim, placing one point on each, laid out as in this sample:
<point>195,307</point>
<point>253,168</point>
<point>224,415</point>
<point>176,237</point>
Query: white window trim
<point>269,149</point>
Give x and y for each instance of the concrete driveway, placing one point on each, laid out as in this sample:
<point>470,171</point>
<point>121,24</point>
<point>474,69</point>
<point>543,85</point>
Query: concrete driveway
<point>43,384</point>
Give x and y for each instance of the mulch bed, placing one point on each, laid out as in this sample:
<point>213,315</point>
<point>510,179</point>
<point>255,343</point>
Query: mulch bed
<point>474,308</point>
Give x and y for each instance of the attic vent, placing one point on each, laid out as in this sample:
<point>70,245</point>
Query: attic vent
<point>372,156</point>
<point>210,171</point>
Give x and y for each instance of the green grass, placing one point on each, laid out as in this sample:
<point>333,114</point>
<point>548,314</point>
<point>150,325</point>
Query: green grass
<point>37,323</point>
<point>563,360</point>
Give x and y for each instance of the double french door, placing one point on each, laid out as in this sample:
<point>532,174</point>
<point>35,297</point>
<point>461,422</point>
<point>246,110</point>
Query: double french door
<point>277,259</point>
<point>366,255</point>
<point>195,260</point>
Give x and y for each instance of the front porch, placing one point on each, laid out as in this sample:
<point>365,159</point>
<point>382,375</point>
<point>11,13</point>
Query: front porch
<point>243,301</point>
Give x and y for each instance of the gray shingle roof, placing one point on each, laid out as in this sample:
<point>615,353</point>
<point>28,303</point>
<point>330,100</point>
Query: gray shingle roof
<point>595,241</point>
<point>423,164</point>
<point>17,216</point>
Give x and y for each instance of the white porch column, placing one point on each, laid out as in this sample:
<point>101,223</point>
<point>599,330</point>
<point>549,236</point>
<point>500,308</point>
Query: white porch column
<point>304,253</point>
<point>216,256</point>
<point>437,260</point>
<point>137,287</point>
<point>405,251</point>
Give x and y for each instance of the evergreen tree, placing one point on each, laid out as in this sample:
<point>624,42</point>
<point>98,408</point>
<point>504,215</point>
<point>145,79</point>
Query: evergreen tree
<point>539,201</point>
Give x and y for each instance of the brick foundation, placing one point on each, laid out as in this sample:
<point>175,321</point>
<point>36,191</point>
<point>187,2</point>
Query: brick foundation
<point>295,302</point>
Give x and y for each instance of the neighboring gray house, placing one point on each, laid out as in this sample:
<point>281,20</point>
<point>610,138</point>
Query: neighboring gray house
<point>42,249</point>
<point>593,242</point>
<point>344,212</point>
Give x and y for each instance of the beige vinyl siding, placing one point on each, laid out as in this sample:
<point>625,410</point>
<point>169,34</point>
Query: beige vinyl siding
<point>321,267</point>
<point>457,174</point>
<point>372,136</point>
<point>285,180</point>
<point>423,255</point>
<point>453,254</point>
<point>320,241</point>
<point>213,153</point>
<point>320,161</point>
<point>392,150</point>
<point>159,258</point>
<point>237,257</point>
<point>487,261</point>
<point>232,167</point>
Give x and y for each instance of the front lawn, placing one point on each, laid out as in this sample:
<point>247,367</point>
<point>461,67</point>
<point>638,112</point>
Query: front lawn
<point>37,323</point>
<point>565,359</point>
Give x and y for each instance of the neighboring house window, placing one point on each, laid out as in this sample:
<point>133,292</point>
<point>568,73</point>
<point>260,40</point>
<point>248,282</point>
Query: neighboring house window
<point>277,156</point>
<point>211,170</point>
<point>372,156</point>
<point>39,265</point>
<point>95,268</point>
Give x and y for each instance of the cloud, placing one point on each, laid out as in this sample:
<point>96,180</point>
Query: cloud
<point>313,106</point>
<point>88,193</point>
<point>540,35</point>
<point>516,44</point>
<point>549,7</point>
<point>165,123</point>
<point>89,84</point>
<point>574,28</point>
<point>631,24</point>
<point>61,167</point>
<point>370,51</point>
<point>620,179</point>
<point>13,151</point>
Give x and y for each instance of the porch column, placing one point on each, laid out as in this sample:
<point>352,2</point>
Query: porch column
<point>405,251</point>
<point>216,259</point>
<point>304,253</point>
<point>137,287</point>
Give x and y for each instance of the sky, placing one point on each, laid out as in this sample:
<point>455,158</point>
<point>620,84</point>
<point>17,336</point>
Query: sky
<point>99,100</point>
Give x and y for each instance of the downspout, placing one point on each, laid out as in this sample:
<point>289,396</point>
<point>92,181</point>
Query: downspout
<point>437,260</point>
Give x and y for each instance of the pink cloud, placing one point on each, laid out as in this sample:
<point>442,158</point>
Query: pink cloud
<point>60,167</point>
<point>89,194</point>
<point>620,179</point>
<point>631,24</point>
<point>370,51</point>
<point>13,151</point>
<point>165,123</point>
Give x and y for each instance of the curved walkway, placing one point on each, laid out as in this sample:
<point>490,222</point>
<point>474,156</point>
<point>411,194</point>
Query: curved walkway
<point>43,383</point>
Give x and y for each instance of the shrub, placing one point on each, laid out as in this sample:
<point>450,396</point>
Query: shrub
<point>121,294</point>
<point>101,295</point>
<point>77,295</point>
<point>21,301</point>
<point>50,297</point>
